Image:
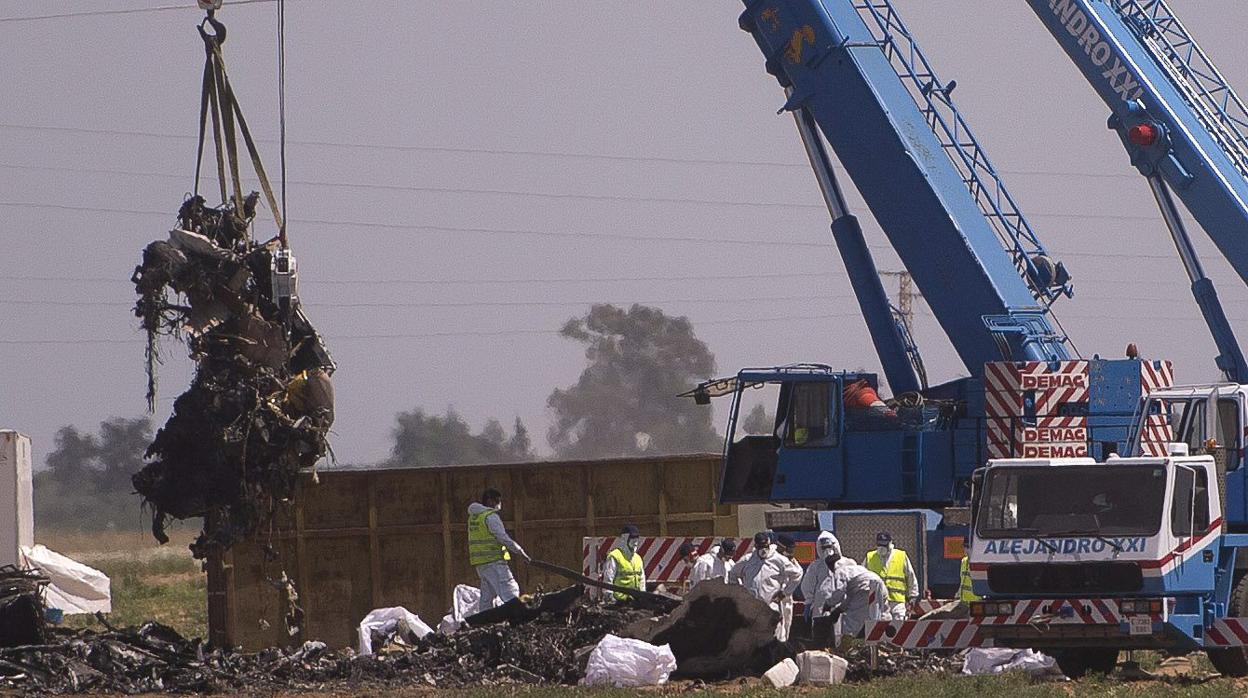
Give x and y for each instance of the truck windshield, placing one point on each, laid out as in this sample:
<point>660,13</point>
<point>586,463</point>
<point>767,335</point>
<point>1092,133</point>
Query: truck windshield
<point>1072,500</point>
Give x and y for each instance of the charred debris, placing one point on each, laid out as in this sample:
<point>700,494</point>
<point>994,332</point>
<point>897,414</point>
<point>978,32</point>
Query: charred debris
<point>260,405</point>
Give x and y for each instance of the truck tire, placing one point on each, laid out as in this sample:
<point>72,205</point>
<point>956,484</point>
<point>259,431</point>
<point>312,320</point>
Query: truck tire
<point>1077,662</point>
<point>1233,661</point>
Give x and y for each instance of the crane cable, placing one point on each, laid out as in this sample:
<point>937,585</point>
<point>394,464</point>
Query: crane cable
<point>281,108</point>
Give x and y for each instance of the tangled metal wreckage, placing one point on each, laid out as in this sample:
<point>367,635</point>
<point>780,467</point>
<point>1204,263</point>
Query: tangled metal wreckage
<point>547,639</point>
<point>261,402</point>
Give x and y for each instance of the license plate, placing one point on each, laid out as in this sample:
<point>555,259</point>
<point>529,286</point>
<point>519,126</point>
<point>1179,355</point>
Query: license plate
<point>1141,625</point>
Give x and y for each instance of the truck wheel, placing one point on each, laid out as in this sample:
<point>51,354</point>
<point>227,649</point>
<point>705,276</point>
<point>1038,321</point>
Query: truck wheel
<point>1077,662</point>
<point>1233,661</point>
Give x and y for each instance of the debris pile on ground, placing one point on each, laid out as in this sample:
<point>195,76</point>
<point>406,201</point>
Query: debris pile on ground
<point>550,649</point>
<point>21,607</point>
<point>261,403</point>
<point>898,662</point>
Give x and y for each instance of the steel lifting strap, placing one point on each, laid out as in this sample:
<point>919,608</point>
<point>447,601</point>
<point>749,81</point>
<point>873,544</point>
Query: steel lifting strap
<point>217,99</point>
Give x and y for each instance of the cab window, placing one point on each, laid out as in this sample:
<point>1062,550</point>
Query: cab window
<point>1193,430</point>
<point>1189,510</point>
<point>810,416</point>
<point>1228,424</point>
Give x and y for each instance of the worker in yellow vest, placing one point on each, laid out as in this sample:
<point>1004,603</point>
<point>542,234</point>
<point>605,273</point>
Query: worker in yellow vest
<point>489,549</point>
<point>965,594</point>
<point>624,566</point>
<point>893,566</point>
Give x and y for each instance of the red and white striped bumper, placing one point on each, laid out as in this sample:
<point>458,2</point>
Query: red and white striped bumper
<point>1097,616</point>
<point>925,634</point>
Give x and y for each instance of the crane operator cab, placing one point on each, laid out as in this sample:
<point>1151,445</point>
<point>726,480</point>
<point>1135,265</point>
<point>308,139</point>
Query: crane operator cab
<point>809,433</point>
<point>1200,420</point>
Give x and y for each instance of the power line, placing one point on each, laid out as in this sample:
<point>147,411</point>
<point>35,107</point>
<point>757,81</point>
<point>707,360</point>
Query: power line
<point>398,227</point>
<point>535,194</point>
<point>462,150</point>
<point>127,11</point>
<point>465,333</point>
<point>319,281</point>
<point>463,304</point>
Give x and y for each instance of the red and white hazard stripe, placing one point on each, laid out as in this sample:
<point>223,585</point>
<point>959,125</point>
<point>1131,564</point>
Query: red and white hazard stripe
<point>1072,385</point>
<point>1227,632</point>
<point>924,634</point>
<point>922,606</point>
<point>1065,611</point>
<point>660,554</point>
<point>1155,375</point>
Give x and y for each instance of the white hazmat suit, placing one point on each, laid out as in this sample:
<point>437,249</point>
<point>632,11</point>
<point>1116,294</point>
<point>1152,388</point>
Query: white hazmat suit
<point>772,578</point>
<point>710,565</point>
<point>857,592</point>
<point>827,544</point>
<point>497,581</point>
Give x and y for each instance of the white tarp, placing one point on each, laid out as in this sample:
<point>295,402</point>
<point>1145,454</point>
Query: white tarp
<point>626,663</point>
<point>995,660</point>
<point>463,604</point>
<point>387,621</point>
<point>74,588</point>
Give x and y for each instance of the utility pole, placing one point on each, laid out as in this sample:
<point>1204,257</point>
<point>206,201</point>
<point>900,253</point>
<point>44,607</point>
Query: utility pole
<point>905,294</point>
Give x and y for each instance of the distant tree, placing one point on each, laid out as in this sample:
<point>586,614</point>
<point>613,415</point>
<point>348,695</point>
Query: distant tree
<point>625,402</point>
<point>87,482</point>
<point>759,421</point>
<point>422,439</point>
<point>520,442</point>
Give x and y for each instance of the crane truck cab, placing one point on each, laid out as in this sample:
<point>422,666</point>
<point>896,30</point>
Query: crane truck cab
<point>1082,559</point>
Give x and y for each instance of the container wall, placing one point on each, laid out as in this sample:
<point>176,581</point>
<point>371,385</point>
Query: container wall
<point>364,539</point>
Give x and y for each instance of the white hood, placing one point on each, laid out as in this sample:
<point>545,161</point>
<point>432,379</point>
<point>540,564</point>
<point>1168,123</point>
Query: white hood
<point>827,538</point>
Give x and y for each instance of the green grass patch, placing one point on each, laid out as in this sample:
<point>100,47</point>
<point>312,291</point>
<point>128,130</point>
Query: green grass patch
<point>168,587</point>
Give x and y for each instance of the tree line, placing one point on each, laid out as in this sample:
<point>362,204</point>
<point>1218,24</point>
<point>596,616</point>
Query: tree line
<point>625,403</point>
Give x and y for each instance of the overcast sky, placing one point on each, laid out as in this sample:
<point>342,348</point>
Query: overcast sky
<point>463,177</point>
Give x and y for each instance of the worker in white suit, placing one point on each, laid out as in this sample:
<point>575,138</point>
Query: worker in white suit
<point>851,592</point>
<point>489,549</point>
<point>771,576</point>
<point>715,563</point>
<point>826,544</point>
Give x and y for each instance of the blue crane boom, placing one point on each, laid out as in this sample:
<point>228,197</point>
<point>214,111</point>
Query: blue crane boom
<point>854,68</point>
<point>1185,128</point>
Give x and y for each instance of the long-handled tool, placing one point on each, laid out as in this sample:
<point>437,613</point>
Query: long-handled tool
<point>650,597</point>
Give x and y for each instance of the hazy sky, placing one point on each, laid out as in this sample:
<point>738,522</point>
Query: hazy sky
<point>463,177</point>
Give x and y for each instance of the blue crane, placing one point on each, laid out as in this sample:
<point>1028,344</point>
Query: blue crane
<point>852,69</point>
<point>1184,127</point>
<point>856,81</point>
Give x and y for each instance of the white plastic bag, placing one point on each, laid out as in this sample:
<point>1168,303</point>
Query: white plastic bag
<point>390,620</point>
<point>73,587</point>
<point>626,663</point>
<point>995,660</point>
<point>463,604</point>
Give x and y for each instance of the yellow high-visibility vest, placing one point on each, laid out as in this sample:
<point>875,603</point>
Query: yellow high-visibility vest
<point>483,547</point>
<point>627,572</point>
<point>894,575</point>
<point>964,589</point>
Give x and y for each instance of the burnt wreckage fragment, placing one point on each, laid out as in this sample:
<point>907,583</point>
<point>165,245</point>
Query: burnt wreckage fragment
<point>261,403</point>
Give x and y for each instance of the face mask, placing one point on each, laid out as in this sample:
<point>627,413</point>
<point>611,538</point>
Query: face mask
<point>498,507</point>
<point>633,543</point>
<point>763,552</point>
<point>884,550</point>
